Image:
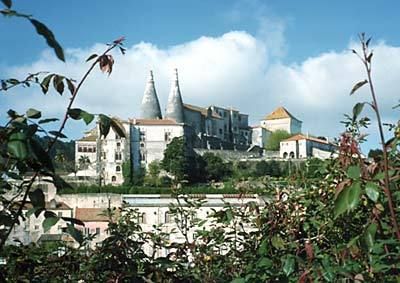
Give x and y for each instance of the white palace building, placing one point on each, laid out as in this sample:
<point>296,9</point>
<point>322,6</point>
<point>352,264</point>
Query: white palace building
<point>212,128</point>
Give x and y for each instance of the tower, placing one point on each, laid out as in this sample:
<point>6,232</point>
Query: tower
<point>174,109</point>
<point>150,108</point>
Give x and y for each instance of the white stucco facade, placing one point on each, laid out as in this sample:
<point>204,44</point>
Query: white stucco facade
<point>300,146</point>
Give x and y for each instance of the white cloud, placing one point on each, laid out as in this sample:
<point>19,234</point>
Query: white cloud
<point>235,69</point>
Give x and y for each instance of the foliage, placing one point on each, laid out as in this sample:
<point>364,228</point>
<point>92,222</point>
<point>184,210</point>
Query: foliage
<point>20,150</point>
<point>127,172</point>
<point>275,138</point>
<point>375,154</point>
<point>215,168</point>
<point>179,160</point>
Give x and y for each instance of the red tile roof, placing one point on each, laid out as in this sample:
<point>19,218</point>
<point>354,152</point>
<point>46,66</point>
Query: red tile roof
<point>150,122</point>
<point>93,214</point>
<point>303,137</point>
<point>280,113</point>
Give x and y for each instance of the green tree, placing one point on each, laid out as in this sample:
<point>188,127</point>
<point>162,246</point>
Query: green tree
<point>83,162</point>
<point>215,168</point>
<point>275,138</point>
<point>376,154</point>
<point>179,160</point>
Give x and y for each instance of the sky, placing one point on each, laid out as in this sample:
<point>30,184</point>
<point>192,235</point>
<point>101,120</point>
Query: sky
<point>252,55</point>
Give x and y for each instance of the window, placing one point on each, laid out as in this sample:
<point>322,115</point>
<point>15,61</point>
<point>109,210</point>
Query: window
<point>220,131</point>
<point>118,156</point>
<point>224,114</point>
<point>141,218</point>
<point>36,227</point>
<point>94,149</point>
<point>98,231</point>
<point>142,136</point>
<point>142,156</point>
<point>59,214</point>
<point>167,136</point>
<point>291,155</point>
<point>113,179</point>
<point>240,118</point>
<point>141,144</point>
<point>86,231</point>
<point>90,149</point>
<point>80,149</point>
<point>103,155</point>
<point>118,168</point>
<point>168,217</point>
<point>285,154</point>
<point>117,137</point>
<point>85,149</point>
<point>118,145</point>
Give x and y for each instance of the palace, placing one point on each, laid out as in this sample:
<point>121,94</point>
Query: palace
<point>207,128</point>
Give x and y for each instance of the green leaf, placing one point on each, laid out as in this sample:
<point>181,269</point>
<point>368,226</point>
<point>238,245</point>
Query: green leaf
<point>37,198</point>
<point>75,233</point>
<point>105,123</point>
<point>87,117</point>
<point>43,121</point>
<point>50,39</point>
<point>33,113</point>
<point>357,86</point>
<point>354,172</point>
<point>41,155</point>
<point>357,110</point>
<point>347,199</point>
<point>379,176</point>
<point>264,262</point>
<point>46,82</point>
<point>75,113</point>
<point>277,242</point>
<point>118,128</point>
<point>58,84</point>
<point>17,146</point>
<point>49,222</point>
<point>58,134</point>
<point>71,86</point>
<point>372,191</point>
<point>238,280</point>
<point>7,3</point>
<point>369,235</point>
<point>91,57</point>
<point>73,220</point>
<point>288,266</point>
<point>353,195</point>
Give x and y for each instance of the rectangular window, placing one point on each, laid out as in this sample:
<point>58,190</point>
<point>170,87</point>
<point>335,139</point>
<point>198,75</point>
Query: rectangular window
<point>169,218</point>
<point>142,136</point>
<point>167,136</point>
<point>80,149</point>
<point>98,231</point>
<point>59,214</point>
<point>141,218</point>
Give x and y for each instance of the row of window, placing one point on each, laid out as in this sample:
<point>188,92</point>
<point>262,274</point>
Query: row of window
<point>86,149</point>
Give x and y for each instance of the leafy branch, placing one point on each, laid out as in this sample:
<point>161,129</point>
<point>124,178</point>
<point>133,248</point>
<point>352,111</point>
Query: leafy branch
<point>366,59</point>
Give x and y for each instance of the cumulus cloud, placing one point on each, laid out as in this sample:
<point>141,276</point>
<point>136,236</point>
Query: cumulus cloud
<point>235,69</point>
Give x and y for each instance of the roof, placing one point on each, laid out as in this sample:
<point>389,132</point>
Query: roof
<point>91,214</point>
<point>55,238</point>
<point>154,122</point>
<point>202,110</point>
<point>150,108</point>
<point>90,138</point>
<point>280,113</point>
<point>303,137</point>
<point>51,205</point>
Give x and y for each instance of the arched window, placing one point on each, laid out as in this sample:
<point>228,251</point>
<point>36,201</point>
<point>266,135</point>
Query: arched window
<point>113,179</point>
<point>285,154</point>
<point>291,155</point>
<point>118,168</point>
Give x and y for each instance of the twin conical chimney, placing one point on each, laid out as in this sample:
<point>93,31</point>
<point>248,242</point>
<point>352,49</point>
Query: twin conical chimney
<point>150,108</point>
<point>174,109</point>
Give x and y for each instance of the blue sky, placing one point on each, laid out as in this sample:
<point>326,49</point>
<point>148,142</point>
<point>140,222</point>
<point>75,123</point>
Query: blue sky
<point>282,53</point>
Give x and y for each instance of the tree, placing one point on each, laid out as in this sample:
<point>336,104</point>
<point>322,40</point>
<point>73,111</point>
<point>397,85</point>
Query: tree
<point>152,177</point>
<point>275,139</point>
<point>179,160</point>
<point>83,162</point>
<point>376,154</point>
<point>215,168</point>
